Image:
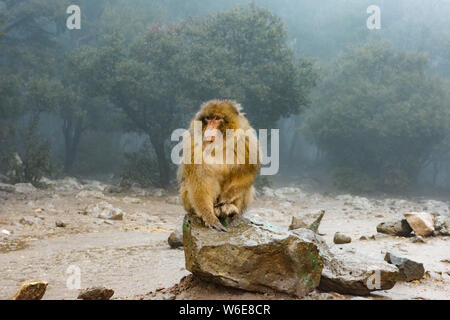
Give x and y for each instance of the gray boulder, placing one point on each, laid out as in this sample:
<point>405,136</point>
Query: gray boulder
<point>253,256</point>
<point>399,228</point>
<point>442,225</point>
<point>7,188</point>
<point>24,188</point>
<point>409,269</point>
<point>352,272</point>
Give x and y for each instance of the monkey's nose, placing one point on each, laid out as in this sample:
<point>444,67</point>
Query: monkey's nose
<point>209,135</point>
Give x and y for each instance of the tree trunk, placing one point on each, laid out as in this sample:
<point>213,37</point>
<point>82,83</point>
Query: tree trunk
<point>163,165</point>
<point>72,136</point>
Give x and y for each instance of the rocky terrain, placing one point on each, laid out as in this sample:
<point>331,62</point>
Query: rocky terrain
<point>85,234</point>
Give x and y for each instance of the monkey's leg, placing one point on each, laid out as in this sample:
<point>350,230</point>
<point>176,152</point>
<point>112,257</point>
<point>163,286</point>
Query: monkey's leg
<point>226,209</point>
<point>237,195</point>
<point>203,204</point>
<point>184,197</point>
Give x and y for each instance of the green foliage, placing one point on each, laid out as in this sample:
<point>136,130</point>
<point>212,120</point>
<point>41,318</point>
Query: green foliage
<point>167,72</point>
<point>35,162</point>
<point>242,54</point>
<point>379,113</point>
<point>91,156</point>
<point>10,106</point>
<point>140,167</point>
<point>353,180</point>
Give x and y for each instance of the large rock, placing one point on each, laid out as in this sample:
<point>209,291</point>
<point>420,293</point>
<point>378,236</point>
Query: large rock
<point>31,290</point>
<point>395,228</point>
<point>350,272</point>
<point>24,188</point>
<point>7,187</point>
<point>408,269</point>
<point>442,225</point>
<point>421,222</point>
<point>253,256</point>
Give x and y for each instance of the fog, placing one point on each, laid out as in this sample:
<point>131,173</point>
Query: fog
<point>361,101</point>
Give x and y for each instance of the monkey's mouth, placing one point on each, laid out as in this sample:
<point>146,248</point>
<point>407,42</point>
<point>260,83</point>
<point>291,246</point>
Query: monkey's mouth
<point>210,135</point>
<point>209,139</point>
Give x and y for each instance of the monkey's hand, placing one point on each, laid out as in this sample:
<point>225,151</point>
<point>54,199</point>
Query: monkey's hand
<point>214,223</point>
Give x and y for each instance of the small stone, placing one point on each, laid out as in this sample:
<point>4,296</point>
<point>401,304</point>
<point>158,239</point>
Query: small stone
<point>363,238</point>
<point>90,194</point>
<point>60,224</point>
<point>113,189</point>
<point>421,222</point>
<point>340,238</point>
<point>96,293</point>
<point>29,221</point>
<point>409,269</point>
<point>31,290</point>
<point>131,200</point>
<point>7,232</point>
<point>297,223</point>
<point>395,228</point>
<point>442,225</point>
<point>175,239</point>
<point>168,296</point>
<point>418,239</point>
<point>104,210</point>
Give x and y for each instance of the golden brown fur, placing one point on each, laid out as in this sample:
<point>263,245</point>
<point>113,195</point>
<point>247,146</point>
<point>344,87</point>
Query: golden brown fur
<point>219,190</point>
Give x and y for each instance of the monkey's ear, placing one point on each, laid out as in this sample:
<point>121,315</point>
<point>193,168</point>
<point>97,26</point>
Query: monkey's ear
<point>237,107</point>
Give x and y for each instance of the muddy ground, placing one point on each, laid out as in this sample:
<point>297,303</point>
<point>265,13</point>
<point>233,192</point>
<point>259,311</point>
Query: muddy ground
<point>132,256</point>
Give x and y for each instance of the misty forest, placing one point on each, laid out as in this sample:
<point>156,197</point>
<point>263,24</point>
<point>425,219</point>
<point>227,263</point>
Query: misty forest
<point>88,107</point>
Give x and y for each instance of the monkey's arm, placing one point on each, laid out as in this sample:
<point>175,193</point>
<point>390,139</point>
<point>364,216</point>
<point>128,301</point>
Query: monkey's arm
<point>201,195</point>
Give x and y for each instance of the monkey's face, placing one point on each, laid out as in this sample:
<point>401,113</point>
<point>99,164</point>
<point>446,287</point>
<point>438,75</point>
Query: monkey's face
<point>216,116</point>
<point>212,124</point>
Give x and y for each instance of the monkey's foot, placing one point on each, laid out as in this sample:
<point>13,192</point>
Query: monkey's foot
<point>214,223</point>
<point>225,209</point>
<point>229,209</point>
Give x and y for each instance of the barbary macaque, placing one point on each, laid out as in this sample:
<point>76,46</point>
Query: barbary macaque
<point>221,184</point>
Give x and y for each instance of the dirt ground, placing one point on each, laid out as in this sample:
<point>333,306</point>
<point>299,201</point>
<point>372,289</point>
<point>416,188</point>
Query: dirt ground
<point>132,255</point>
